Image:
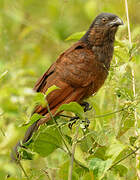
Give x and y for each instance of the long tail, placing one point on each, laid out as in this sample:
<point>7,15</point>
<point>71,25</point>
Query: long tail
<point>28,135</point>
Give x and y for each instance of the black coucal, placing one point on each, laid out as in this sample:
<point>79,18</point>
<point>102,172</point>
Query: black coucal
<point>80,71</point>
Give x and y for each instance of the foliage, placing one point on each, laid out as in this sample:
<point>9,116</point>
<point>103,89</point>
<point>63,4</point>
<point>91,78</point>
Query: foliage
<point>33,34</point>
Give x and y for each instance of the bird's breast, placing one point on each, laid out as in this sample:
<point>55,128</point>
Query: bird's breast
<point>103,54</point>
<point>99,76</point>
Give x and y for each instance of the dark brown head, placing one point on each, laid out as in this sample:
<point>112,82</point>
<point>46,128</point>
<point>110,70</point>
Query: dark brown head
<point>103,29</point>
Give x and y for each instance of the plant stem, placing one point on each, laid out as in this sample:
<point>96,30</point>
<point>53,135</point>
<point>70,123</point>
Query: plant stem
<point>58,128</point>
<point>125,157</point>
<point>23,170</point>
<point>100,116</point>
<point>108,114</point>
<point>134,90</point>
<point>73,152</point>
<point>128,23</point>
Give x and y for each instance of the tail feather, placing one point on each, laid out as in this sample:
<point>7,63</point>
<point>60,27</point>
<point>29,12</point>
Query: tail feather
<point>28,135</point>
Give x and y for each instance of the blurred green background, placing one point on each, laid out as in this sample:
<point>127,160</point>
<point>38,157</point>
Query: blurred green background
<point>32,35</point>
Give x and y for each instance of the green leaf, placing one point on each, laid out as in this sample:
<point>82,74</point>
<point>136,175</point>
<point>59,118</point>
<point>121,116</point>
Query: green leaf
<point>76,173</point>
<point>132,140</point>
<point>99,167</point>
<point>35,117</point>
<point>40,99</point>
<point>52,88</point>
<point>97,136</point>
<point>115,149</point>
<point>72,107</point>
<point>123,154</point>
<point>127,122</point>
<point>86,143</point>
<point>64,169</point>
<point>3,74</point>
<point>120,169</point>
<point>2,175</point>
<point>24,154</point>
<point>75,36</point>
<point>47,140</point>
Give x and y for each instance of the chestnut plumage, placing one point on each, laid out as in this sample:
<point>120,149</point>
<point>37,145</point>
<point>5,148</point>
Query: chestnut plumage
<point>80,71</point>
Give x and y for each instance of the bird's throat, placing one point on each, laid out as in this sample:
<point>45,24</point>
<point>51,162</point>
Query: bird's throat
<point>103,54</point>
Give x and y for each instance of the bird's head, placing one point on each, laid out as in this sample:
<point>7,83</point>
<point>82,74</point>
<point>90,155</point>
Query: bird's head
<point>103,28</point>
<point>107,21</point>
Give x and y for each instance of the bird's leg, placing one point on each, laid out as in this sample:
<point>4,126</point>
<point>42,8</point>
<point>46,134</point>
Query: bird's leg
<point>86,105</point>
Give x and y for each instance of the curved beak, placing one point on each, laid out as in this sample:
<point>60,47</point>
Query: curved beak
<point>116,22</point>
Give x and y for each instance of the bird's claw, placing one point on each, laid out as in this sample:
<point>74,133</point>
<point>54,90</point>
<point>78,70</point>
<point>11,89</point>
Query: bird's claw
<point>73,119</point>
<point>86,123</point>
<point>86,105</point>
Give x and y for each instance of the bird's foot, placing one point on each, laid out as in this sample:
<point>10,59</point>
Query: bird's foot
<point>85,123</point>
<point>73,121</point>
<point>86,105</point>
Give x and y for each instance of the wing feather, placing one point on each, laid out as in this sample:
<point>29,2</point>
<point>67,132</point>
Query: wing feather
<point>68,92</point>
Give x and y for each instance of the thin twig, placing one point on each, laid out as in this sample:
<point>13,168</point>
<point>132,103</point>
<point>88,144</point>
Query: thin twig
<point>108,114</point>
<point>47,174</point>
<point>23,170</point>
<point>125,157</point>
<point>73,152</point>
<point>58,128</point>
<point>81,165</point>
<point>100,116</point>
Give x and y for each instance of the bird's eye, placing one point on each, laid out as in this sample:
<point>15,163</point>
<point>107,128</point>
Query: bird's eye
<point>104,20</point>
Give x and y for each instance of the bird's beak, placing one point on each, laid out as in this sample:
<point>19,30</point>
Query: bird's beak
<point>116,22</point>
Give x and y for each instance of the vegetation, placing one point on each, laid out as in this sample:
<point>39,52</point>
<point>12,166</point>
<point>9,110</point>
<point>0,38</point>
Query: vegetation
<point>32,35</point>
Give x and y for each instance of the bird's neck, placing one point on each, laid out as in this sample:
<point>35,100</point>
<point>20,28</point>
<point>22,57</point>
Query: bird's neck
<point>99,37</point>
<point>103,54</point>
<point>101,43</point>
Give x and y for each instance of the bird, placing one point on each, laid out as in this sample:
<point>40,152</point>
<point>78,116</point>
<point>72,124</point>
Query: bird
<point>79,72</point>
